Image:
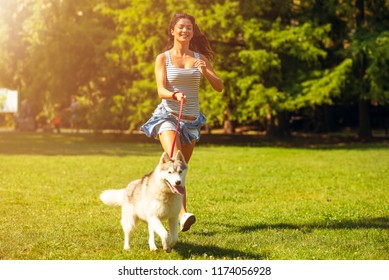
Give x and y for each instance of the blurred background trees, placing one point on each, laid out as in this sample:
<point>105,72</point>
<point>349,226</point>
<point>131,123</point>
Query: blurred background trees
<point>286,64</point>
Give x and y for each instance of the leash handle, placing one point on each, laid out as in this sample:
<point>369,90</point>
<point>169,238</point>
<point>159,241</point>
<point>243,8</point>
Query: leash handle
<point>177,127</point>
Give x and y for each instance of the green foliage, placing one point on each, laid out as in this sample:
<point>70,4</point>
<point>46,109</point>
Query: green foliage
<point>378,71</point>
<point>272,65</point>
<point>370,58</point>
<point>300,42</point>
<point>274,56</point>
<point>326,88</point>
<point>137,42</point>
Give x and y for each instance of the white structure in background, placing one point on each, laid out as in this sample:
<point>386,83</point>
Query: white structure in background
<point>8,101</point>
<point>23,114</point>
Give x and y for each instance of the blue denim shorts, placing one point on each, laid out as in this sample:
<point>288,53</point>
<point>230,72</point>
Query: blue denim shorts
<point>162,120</point>
<point>168,125</point>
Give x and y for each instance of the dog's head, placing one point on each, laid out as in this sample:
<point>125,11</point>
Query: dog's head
<point>173,171</point>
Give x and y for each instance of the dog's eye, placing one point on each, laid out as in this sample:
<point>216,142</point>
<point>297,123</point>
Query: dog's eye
<point>179,171</point>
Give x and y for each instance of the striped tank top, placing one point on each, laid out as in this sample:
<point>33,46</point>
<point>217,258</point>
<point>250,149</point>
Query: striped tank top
<point>186,80</point>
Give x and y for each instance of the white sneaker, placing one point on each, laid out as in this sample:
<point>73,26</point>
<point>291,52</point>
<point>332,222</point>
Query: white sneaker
<point>186,221</point>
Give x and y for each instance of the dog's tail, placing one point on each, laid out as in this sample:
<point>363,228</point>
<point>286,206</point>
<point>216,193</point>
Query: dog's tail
<point>113,197</point>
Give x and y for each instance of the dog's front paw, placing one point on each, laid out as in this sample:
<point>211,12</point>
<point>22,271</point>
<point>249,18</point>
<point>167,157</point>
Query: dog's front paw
<point>153,248</point>
<point>173,241</point>
<point>166,243</point>
<point>168,249</point>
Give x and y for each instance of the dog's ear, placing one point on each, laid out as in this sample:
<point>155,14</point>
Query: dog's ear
<point>165,158</point>
<point>180,157</point>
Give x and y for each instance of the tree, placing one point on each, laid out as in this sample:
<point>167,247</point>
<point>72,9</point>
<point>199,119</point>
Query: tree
<point>358,56</point>
<point>274,57</point>
<point>134,48</point>
<point>54,49</point>
<point>142,35</point>
<point>13,50</point>
<point>279,54</point>
<point>370,53</point>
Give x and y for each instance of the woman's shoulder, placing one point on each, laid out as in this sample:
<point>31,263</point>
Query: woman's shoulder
<point>161,58</point>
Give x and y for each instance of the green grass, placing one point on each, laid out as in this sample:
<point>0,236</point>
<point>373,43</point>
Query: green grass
<point>323,202</point>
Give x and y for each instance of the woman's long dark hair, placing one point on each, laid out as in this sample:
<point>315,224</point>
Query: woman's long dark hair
<point>199,42</point>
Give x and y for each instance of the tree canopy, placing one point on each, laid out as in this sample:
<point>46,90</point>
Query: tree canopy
<point>275,57</point>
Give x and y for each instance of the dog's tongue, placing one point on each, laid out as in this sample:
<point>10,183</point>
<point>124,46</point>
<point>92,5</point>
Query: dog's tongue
<point>179,190</point>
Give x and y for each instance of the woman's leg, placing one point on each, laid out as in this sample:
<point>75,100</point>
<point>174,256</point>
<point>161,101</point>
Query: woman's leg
<point>166,138</point>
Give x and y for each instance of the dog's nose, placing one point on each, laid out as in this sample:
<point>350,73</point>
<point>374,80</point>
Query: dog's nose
<point>178,183</point>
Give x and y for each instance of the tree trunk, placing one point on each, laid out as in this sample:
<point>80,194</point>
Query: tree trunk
<point>364,129</point>
<point>270,126</point>
<point>277,126</point>
<point>229,126</point>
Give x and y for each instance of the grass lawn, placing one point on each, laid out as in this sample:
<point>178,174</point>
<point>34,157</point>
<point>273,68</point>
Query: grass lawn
<point>258,202</point>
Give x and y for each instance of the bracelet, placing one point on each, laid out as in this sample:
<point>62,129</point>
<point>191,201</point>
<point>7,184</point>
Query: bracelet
<point>174,95</point>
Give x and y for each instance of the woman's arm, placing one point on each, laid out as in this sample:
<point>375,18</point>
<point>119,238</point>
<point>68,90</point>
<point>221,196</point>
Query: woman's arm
<point>207,71</point>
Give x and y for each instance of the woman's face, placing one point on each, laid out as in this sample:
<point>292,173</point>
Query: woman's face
<point>183,30</point>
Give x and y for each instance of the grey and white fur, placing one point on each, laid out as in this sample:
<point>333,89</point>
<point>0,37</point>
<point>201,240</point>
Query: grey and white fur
<point>154,198</point>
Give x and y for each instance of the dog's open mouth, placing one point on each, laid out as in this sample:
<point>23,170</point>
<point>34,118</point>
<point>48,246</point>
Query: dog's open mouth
<point>176,189</point>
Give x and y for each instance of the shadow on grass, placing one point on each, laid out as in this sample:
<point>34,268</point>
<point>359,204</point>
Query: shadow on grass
<point>191,250</point>
<point>299,141</point>
<point>50,144</point>
<point>31,143</point>
<point>373,223</point>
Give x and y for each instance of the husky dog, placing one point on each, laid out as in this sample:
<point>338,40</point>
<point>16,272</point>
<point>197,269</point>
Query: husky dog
<point>154,198</point>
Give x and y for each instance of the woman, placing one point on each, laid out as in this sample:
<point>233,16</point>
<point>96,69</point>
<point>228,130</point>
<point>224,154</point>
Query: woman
<point>178,71</point>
